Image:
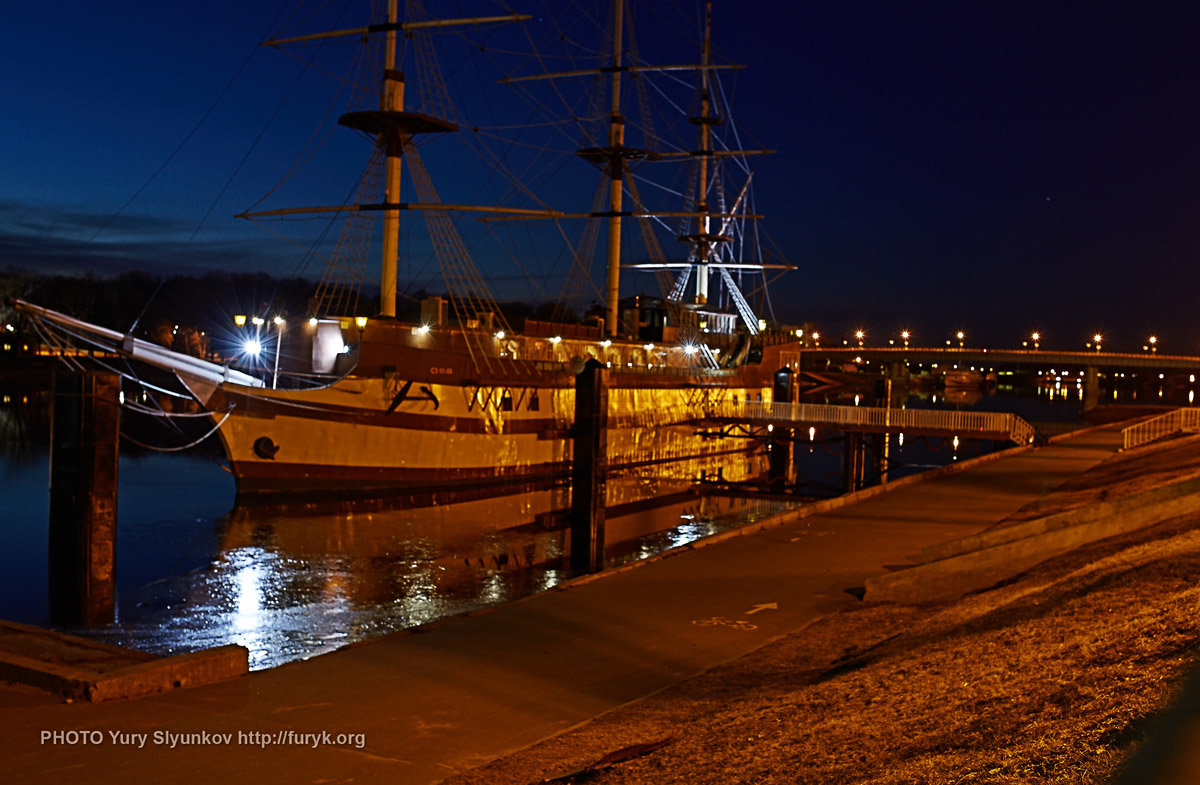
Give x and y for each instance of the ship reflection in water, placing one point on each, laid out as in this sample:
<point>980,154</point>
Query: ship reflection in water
<point>291,583</point>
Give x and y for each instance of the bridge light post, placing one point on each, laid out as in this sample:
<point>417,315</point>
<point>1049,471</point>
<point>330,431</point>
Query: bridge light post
<point>859,335</point>
<point>816,339</point>
<point>960,335</point>
<point>905,335</point>
<point>1153,344</point>
<point>1097,338</point>
<point>1037,339</point>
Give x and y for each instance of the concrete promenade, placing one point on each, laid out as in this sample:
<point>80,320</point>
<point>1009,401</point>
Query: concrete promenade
<point>455,695</point>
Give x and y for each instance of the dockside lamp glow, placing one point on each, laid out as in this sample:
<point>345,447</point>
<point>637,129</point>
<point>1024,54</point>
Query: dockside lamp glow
<point>279,324</point>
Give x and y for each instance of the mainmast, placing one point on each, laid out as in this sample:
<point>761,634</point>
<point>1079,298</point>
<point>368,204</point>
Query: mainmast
<point>616,175</point>
<point>391,100</point>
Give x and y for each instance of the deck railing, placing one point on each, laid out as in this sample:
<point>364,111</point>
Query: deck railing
<point>1178,421</point>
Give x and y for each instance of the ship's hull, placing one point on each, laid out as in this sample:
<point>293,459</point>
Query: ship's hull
<point>353,439</point>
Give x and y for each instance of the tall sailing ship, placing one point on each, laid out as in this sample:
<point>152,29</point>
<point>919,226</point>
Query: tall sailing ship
<point>460,398</point>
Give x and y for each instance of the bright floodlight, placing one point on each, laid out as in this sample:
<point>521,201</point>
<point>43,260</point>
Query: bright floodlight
<point>690,349</point>
<point>252,347</point>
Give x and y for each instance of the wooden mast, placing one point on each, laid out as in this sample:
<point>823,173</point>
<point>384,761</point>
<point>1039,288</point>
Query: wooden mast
<point>616,174</point>
<point>390,100</point>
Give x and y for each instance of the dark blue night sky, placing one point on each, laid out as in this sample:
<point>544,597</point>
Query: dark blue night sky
<point>992,167</point>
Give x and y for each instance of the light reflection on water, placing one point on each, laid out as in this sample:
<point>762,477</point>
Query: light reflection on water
<point>289,584</point>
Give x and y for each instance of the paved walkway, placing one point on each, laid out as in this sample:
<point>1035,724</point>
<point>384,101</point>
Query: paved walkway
<point>432,703</point>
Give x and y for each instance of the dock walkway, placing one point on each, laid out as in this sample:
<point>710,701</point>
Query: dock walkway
<point>452,696</point>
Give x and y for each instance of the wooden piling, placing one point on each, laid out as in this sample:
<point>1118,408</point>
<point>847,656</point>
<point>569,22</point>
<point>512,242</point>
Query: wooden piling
<point>85,431</point>
<point>589,465</point>
<point>781,470</point>
<point>853,461</point>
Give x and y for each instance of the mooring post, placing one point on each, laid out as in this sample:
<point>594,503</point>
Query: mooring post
<point>589,464</point>
<point>852,461</point>
<point>780,466</point>
<point>1091,388</point>
<point>84,438</point>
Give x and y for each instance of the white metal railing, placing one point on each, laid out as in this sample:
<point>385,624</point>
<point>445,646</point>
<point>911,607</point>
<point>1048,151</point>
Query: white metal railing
<point>962,423</point>
<point>1180,420</point>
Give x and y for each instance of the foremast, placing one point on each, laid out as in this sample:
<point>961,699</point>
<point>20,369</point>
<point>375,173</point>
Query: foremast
<point>394,127</point>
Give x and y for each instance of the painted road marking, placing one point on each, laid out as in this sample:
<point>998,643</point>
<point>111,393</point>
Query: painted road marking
<point>768,606</point>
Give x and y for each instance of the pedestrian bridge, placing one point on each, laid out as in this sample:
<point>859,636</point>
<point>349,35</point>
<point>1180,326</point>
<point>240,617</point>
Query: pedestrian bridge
<point>995,426</point>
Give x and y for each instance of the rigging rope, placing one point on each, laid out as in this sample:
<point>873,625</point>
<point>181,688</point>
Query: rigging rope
<point>214,429</point>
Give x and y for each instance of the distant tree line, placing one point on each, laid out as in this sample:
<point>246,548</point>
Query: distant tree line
<point>152,306</point>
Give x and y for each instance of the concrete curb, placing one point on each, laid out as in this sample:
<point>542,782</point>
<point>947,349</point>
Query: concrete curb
<point>983,560</point>
<point>106,672</point>
<point>1073,517</point>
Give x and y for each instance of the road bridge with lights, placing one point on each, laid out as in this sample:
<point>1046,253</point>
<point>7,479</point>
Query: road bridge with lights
<point>820,357</point>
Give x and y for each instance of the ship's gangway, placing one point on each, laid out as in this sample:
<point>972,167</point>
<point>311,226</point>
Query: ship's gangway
<point>996,426</point>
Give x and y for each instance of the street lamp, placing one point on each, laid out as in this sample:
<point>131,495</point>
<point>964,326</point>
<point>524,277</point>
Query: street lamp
<point>1153,344</point>
<point>816,338</point>
<point>279,323</point>
<point>905,334</point>
<point>960,335</point>
<point>1037,338</point>
<point>859,334</point>
<point>1096,339</point>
